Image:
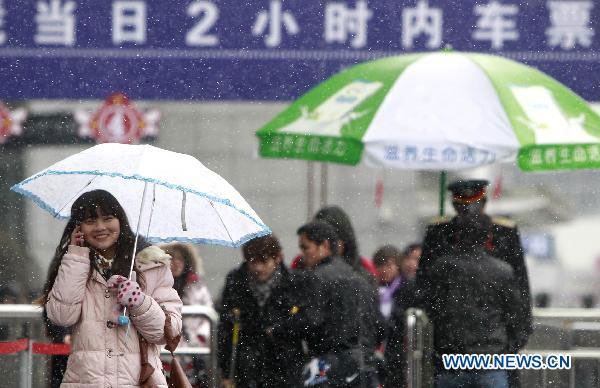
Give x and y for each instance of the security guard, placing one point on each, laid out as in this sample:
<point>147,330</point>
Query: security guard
<point>469,198</point>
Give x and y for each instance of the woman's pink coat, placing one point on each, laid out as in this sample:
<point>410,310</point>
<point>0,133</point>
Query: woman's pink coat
<point>102,355</point>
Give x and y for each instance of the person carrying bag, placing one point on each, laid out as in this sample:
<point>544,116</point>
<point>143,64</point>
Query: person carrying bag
<point>177,377</point>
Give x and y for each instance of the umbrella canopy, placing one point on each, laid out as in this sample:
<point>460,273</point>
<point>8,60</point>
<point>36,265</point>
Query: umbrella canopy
<point>185,201</point>
<point>438,111</point>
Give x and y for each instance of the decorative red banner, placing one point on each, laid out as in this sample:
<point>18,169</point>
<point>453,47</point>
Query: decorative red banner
<point>53,349</point>
<point>118,120</point>
<point>10,122</point>
<point>14,346</point>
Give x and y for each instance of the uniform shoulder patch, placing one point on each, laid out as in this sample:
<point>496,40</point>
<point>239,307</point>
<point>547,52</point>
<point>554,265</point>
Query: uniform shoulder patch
<point>504,221</point>
<point>439,220</point>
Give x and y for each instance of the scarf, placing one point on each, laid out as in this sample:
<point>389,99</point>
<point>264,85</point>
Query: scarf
<point>386,296</point>
<point>102,264</point>
<point>262,291</point>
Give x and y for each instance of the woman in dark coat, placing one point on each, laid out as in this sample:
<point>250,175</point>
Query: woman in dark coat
<point>58,363</point>
<point>261,292</point>
<point>372,329</point>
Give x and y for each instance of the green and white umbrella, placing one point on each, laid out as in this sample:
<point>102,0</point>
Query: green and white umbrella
<point>438,111</point>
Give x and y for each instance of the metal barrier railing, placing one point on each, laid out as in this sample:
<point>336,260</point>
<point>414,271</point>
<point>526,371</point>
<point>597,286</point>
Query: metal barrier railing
<point>419,338</point>
<point>419,346</point>
<point>32,313</point>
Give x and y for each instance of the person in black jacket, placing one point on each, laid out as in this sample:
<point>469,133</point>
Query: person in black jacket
<point>58,363</point>
<point>503,242</point>
<point>372,328</point>
<point>327,317</point>
<point>260,291</point>
<point>474,303</point>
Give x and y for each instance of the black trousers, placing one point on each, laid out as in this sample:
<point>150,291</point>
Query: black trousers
<point>58,366</point>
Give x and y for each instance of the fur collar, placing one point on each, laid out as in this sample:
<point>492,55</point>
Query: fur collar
<point>151,257</point>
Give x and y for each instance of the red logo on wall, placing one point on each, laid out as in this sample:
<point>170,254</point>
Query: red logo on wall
<point>10,122</point>
<point>118,121</point>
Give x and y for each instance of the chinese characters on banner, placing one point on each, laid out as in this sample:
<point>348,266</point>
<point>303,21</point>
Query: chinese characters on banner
<point>92,47</point>
<point>465,156</point>
<point>553,157</point>
<point>348,23</point>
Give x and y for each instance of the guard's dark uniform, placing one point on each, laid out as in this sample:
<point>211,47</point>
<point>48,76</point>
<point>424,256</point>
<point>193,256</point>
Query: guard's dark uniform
<point>503,243</point>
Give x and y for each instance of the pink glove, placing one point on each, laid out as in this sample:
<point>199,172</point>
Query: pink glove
<point>129,293</point>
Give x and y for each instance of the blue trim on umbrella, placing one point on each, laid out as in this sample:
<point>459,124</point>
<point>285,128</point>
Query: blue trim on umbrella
<point>18,188</point>
<point>37,200</point>
<point>237,244</point>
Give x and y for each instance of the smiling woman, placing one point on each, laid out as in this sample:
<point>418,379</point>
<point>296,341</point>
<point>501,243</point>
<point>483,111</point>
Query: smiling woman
<point>98,222</point>
<point>101,232</point>
<point>88,286</point>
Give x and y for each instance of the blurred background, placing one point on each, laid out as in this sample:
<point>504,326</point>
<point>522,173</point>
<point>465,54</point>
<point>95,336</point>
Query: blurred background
<point>558,213</point>
<point>212,73</point>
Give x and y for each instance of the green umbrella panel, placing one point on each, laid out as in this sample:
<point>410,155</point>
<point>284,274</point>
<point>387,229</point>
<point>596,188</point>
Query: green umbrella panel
<point>438,111</point>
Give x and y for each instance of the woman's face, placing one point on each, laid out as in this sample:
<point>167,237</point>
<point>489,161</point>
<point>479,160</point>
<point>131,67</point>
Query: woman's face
<point>177,263</point>
<point>388,271</point>
<point>312,252</point>
<point>410,264</point>
<point>262,270</point>
<point>101,232</point>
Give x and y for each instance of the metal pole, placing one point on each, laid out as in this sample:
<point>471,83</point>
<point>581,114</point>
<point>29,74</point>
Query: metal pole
<point>324,183</point>
<point>310,190</point>
<point>214,345</point>
<point>544,378</point>
<point>443,177</point>
<point>29,363</point>
<point>411,351</point>
<point>23,370</point>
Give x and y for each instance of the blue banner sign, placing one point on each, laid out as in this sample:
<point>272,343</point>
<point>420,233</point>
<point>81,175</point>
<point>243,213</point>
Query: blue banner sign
<point>271,49</point>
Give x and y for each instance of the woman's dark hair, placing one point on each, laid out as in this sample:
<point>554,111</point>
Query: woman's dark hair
<point>410,248</point>
<point>262,248</point>
<point>385,254</point>
<point>336,217</point>
<point>87,206</point>
<point>189,263</point>
<point>319,232</point>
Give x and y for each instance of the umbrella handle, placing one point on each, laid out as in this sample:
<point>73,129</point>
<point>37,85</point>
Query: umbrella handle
<point>124,319</point>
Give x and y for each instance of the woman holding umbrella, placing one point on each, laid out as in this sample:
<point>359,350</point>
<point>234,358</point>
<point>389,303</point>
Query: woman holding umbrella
<point>87,288</point>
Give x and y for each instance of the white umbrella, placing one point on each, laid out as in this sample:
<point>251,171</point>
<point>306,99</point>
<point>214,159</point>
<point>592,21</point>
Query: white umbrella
<point>172,195</point>
<point>438,111</point>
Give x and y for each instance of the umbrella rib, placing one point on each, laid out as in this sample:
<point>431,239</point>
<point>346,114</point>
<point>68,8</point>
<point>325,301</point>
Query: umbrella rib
<point>73,197</point>
<point>151,209</point>
<point>183,223</point>
<point>220,219</point>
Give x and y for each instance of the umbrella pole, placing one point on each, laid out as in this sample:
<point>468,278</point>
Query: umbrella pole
<point>123,319</point>
<point>443,176</point>
<point>137,230</point>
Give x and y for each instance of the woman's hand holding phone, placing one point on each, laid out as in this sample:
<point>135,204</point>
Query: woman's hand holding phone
<point>77,237</point>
